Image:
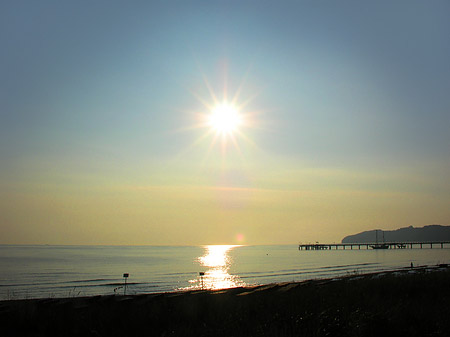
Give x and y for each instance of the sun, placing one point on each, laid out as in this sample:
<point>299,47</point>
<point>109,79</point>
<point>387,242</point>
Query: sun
<point>227,120</point>
<point>224,119</point>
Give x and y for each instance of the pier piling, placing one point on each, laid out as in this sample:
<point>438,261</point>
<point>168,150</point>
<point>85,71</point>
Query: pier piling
<point>367,246</point>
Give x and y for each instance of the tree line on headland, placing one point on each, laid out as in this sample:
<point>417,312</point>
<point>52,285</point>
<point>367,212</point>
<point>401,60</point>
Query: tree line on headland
<point>431,233</point>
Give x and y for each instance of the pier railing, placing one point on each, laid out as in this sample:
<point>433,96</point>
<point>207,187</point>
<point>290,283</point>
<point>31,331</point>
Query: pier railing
<point>365,245</point>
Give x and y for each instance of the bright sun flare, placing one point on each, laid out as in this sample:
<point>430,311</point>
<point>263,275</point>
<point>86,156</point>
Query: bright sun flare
<point>225,119</point>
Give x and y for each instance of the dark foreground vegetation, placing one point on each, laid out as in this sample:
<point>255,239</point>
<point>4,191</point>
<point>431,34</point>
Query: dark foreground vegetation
<point>402,303</point>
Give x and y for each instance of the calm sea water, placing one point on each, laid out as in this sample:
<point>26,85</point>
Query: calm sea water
<point>66,271</point>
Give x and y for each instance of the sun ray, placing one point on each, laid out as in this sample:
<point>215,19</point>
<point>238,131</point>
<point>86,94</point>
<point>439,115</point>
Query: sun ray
<point>206,82</point>
<point>211,146</point>
<point>225,82</point>
<point>205,103</point>
<point>196,142</point>
<point>241,86</point>
<point>224,117</point>
<point>236,145</point>
<point>247,139</point>
<point>248,101</point>
<point>210,89</point>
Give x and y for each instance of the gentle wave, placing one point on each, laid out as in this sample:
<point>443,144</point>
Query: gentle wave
<point>53,273</point>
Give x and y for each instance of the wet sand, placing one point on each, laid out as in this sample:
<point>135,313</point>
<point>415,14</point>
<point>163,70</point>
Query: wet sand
<point>403,303</point>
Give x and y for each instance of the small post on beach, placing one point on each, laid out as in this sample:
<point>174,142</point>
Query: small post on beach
<point>201,277</point>
<point>125,276</point>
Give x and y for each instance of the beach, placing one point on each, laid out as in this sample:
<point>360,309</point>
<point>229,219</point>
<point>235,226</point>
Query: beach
<point>413,302</point>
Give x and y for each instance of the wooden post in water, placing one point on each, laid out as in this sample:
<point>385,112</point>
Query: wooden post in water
<point>201,277</point>
<point>125,276</point>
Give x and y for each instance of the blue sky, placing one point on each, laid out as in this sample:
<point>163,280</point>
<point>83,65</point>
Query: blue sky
<point>103,94</point>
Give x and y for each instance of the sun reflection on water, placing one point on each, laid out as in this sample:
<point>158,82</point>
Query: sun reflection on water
<point>218,262</point>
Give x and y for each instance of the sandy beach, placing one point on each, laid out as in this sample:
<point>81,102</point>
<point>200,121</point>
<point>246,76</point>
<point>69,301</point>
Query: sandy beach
<point>413,302</point>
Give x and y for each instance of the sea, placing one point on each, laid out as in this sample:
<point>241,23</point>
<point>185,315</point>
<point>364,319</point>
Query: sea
<point>46,271</point>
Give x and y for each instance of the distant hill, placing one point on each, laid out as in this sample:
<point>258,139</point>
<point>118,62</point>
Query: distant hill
<point>407,234</point>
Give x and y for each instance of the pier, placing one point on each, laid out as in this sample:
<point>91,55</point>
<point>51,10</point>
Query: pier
<point>367,246</point>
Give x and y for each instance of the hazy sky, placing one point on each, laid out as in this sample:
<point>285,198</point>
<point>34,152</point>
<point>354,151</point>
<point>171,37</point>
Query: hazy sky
<point>347,110</point>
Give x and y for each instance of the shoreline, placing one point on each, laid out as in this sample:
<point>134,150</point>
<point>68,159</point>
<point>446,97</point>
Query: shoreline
<point>413,301</point>
<point>355,273</point>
